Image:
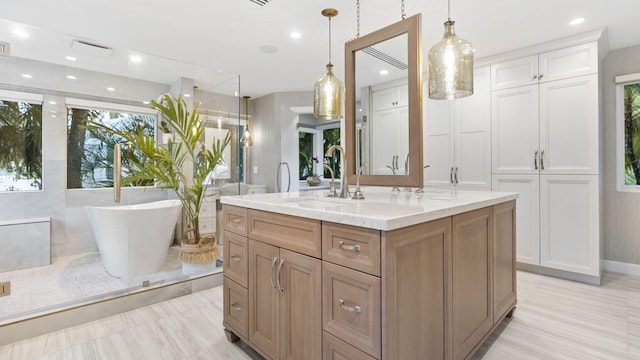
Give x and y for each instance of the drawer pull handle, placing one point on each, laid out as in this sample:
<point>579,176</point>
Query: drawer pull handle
<point>236,220</point>
<point>273,265</point>
<point>236,258</point>
<point>353,309</point>
<point>278,276</point>
<point>236,307</point>
<point>342,246</point>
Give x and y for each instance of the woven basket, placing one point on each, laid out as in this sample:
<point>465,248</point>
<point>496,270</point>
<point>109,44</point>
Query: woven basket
<point>202,252</point>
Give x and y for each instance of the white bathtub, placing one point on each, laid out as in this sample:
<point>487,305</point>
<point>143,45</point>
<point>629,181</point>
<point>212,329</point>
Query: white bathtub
<point>134,239</point>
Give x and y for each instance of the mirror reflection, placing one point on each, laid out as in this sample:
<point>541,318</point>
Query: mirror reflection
<point>382,131</point>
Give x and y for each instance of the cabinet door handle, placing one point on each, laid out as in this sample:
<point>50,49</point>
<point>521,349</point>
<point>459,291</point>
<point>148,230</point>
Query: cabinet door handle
<point>278,276</point>
<point>540,76</point>
<point>236,307</point>
<point>342,246</point>
<point>235,258</point>
<point>542,160</point>
<point>273,265</point>
<point>235,220</point>
<point>455,175</point>
<point>535,76</point>
<point>535,160</point>
<point>451,175</point>
<point>352,309</point>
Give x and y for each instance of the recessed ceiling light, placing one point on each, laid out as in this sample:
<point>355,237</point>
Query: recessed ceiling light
<point>111,88</point>
<point>384,72</point>
<point>71,77</point>
<point>146,102</point>
<point>268,49</point>
<point>52,103</point>
<point>70,58</point>
<point>27,76</point>
<point>53,116</point>
<point>576,21</point>
<point>295,35</point>
<point>187,95</point>
<point>20,33</point>
<point>136,59</point>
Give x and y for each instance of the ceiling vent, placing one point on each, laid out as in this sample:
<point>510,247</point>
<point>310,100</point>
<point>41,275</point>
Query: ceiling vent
<point>91,49</point>
<point>260,2</point>
<point>5,48</point>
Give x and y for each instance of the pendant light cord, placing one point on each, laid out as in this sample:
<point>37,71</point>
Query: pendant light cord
<point>402,9</point>
<point>330,40</point>
<point>357,19</point>
<point>449,10</point>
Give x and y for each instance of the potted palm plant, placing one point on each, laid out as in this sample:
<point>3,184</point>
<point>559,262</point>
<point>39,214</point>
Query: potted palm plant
<point>181,165</point>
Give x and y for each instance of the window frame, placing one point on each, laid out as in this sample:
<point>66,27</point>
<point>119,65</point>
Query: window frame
<point>621,81</point>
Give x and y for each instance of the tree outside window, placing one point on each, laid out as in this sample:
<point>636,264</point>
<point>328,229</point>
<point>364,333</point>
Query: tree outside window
<point>632,134</point>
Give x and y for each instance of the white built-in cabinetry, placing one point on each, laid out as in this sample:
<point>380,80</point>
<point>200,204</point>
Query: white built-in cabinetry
<point>389,126</point>
<point>458,137</point>
<point>545,146</point>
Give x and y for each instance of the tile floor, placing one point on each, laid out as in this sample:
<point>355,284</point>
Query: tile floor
<point>555,319</point>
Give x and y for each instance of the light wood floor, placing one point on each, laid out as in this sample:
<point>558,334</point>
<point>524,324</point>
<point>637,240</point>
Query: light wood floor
<point>555,319</point>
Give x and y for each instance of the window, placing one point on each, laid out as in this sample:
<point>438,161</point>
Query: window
<point>20,141</point>
<point>90,152</point>
<point>628,132</point>
<point>331,136</point>
<point>307,166</point>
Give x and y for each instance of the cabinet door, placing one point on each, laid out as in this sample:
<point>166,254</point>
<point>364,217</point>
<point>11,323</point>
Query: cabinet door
<point>263,298</point>
<point>504,259</point>
<point>527,213</point>
<point>514,126</point>
<point>472,312</point>
<point>569,223</point>
<point>382,130</point>
<point>300,307</point>
<point>384,99</point>
<point>473,134</point>
<point>569,62</point>
<point>439,142</point>
<point>569,126</point>
<point>514,73</point>
<point>415,291</point>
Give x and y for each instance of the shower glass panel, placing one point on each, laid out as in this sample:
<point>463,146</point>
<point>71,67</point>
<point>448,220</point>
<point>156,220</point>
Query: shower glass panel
<point>50,255</point>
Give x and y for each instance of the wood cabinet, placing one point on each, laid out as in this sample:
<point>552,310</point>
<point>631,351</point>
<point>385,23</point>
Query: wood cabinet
<point>433,290</point>
<point>545,126</point>
<point>283,287</point>
<point>389,127</point>
<point>458,138</point>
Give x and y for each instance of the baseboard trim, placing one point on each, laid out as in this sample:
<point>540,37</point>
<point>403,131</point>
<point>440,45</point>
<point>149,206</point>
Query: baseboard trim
<point>621,267</point>
<point>589,279</point>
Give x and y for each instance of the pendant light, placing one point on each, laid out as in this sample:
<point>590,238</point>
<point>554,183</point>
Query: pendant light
<point>246,140</point>
<point>450,65</point>
<point>328,91</point>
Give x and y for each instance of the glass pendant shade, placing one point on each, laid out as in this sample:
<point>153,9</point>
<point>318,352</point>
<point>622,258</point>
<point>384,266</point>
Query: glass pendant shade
<point>450,66</point>
<point>328,95</point>
<point>246,137</point>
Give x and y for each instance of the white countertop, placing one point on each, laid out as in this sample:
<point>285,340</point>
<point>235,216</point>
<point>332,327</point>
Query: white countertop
<point>380,209</point>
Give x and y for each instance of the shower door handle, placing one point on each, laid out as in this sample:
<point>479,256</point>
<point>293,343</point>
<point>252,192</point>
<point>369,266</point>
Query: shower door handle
<point>117,171</point>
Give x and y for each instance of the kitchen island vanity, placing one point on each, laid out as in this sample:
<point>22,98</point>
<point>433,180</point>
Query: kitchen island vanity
<point>425,276</point>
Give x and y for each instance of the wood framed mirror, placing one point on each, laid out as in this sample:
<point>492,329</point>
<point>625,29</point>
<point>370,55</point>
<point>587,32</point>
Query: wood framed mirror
<point>383,106</point>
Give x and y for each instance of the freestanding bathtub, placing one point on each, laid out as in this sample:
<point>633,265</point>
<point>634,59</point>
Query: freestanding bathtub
<point>134,239</point>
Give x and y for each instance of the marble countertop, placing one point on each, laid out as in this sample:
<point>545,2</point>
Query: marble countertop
<point>380,210</point>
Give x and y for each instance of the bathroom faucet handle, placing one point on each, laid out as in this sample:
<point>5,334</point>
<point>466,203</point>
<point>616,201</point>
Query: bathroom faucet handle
<point>332,185</point>
<point>357,195</point>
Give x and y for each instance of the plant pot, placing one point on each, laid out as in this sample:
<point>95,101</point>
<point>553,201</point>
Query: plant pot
<point>313,181</point>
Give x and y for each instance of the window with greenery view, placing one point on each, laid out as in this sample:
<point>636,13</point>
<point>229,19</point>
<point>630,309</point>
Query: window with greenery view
<point>306,154</point>
<point>20,146</point>
<point>331,136</point>
<point>632,134</point>
<point>90,152</point>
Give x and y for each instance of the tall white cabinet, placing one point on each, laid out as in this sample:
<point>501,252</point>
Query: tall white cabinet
<point>389,126</point>
<point>458,137</point>
<point>545,146</point>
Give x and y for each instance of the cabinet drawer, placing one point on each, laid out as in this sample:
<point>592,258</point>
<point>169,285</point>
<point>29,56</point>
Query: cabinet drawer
<point>235,219</point>
<point>289,232</point>
<point>351,307</point>
<point>235,258</point>
<point>336,349</point>
<point>353,247</point>
<point>236,310</point>
<point>208,209</point>
<point>207,225</point>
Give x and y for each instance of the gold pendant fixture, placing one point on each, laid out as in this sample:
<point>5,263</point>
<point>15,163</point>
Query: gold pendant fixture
<point>450,65</point>
<point>328,92</point>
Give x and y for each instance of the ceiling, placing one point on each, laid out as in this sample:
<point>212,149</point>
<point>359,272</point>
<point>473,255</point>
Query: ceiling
<point>241,37</point>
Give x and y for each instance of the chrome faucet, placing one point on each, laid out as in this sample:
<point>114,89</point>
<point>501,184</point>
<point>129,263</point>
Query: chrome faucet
<point>358,194</point>
<point>344,184</point>
<point>332,186</point>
